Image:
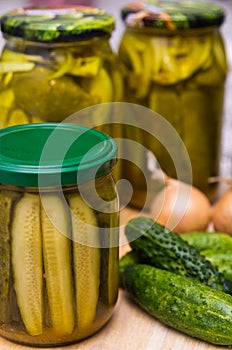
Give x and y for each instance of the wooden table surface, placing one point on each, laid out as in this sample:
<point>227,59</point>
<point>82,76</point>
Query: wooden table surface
<point>130,328</point>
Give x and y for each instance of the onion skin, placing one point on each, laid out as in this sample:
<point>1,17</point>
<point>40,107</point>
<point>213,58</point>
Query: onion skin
<point>222,214</point>
<point>181,207</point>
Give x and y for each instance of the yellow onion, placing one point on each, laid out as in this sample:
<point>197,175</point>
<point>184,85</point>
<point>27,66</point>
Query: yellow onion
<point>222,213</point>
<point>181,207</point>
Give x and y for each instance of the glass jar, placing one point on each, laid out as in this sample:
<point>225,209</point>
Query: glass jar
<point>176,65</point>
<point>55,62</point>
<point>59,233</point>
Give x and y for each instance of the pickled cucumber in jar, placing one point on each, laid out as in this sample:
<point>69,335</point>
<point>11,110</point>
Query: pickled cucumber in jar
<point>55,62</point>
<point>176,66</point>
<point>58,245</point>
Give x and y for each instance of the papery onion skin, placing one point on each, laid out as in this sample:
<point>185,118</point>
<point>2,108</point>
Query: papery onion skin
<point>181,207</point>
<point>222,213</point>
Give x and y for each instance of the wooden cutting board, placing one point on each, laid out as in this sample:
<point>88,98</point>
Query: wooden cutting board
<point>130,328</point>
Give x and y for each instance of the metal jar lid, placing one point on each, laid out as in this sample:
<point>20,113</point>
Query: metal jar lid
<point>173,15</point>
<point>53,154</point>
<point>57,24</point>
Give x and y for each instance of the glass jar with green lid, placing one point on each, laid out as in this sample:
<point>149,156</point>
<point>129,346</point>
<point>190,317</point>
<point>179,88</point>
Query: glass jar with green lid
<point>55,62</point>
<point>176,65</point>
<point>59,233</point>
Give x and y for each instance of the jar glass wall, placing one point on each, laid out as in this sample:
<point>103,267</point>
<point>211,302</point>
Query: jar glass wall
<point>56,287</point>
<point>59,251</point>
<point>176,66</point>
<point>55,62</point>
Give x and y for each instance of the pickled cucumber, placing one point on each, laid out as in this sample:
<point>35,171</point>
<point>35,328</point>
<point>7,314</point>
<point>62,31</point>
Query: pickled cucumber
<point>50,100</point>
<point>164,60</point>
<point>6,104</point>
<point>57,263</point>
<point>86,259</point>
<point>109,275</point>
<point>180,76</point>
<point>27,261</point>
<point>16,117</point>
<point>103,92</point>
<point>63,67</point>
<point>57,83</point>
<point>6,67</point>
<point>86,66</point>
<point>7,200</point>
<point>54,258</point>
<point>108,223</point>
<point>4,116</point>
<point>20,57</point>
<point>117,81</point>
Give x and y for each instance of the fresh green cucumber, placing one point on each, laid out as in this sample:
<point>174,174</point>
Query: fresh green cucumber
<point>156,245</point>
<point>186,305</point>
<point>129,258</point>
<point>221,259</point>
<point>215,246</point>
<point>208,240</point>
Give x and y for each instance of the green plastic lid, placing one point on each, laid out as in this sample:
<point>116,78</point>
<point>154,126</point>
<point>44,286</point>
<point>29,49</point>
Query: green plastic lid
<point>57,24</point>
<point>53,154</point>
<point>173,15</point>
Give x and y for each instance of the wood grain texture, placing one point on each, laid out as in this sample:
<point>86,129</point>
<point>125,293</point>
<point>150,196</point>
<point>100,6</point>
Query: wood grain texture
<point>130,328</point>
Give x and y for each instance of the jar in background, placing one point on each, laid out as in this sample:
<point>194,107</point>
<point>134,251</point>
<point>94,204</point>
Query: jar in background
<point>59,233</point>
<point>55,62</point>
<point>176,65</point>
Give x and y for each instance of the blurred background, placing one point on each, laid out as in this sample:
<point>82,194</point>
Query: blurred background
<point>113,7</point>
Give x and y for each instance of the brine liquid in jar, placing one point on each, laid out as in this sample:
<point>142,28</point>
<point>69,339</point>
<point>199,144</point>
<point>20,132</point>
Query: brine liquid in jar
<point>59,234</point>
<point>175,60</point>
<point>55,62</point>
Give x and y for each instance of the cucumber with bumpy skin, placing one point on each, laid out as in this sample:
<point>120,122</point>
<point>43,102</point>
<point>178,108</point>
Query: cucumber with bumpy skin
<point>215,247</point>
<point>181,303</point>
<point>208,240</point>
<point>221,259</point>
<point>129,258</point>
<point>156,245</point>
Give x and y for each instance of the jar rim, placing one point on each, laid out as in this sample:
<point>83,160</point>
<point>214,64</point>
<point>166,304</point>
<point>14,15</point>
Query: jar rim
<point>172,15</point>
<point>54,154</point>
<point>57,23</point>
